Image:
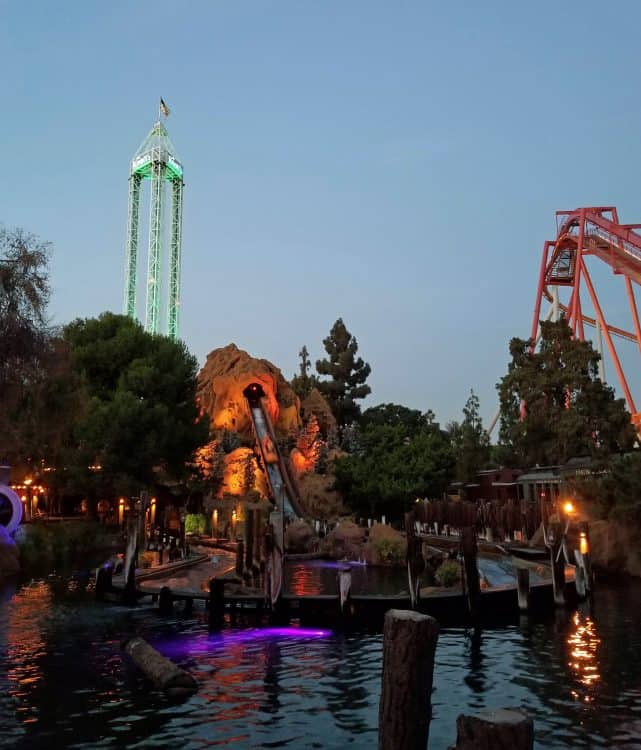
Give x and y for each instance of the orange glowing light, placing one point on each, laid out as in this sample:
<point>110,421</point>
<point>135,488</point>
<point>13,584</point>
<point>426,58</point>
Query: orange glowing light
<point>568,507</point>
<point>584,547</point>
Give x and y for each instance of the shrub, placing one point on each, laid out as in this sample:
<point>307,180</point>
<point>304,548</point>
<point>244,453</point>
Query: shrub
<point>448,573</point>
<point>195,523</point>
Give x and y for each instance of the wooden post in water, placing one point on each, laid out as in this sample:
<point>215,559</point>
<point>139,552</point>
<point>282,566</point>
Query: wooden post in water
<point>240,557</point>
<point>557,562</point>
<point>495,729</point>
<point>103,581</point>
<point>523,588</point>
<point>249,540</point>
<point>216,603</point>
<point>165,601</point>
<point>468,546</point>
<point>344,586</point>
<point>409,643</point>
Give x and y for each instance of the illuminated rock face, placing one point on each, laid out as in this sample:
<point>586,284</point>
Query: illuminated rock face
<point>224,377</point>
<point>238,479</point>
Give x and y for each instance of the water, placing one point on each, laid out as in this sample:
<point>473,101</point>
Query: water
<point>64,681</point>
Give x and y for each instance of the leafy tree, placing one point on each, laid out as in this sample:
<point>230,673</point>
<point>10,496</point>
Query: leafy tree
<point>470,441</point>
<point>553,404</point>
<point>395,414</point>
<point>394,467</point>
<point>141,421</point>
<point>304,382</point>
<point>347,374</point>
<point>38,389</point>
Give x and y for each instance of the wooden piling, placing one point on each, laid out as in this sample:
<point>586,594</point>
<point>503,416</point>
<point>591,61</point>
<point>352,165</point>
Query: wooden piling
<point>557,563</point>
<point>240,557</point>
<point>165,601</point>
<point>344,586</point>
<point>409,643</point>
<point>103,581</point>
<point>216,603</point>
<point>495,729</point>
<point>470,552</point>
<point>523,588</point>
<point>249,539</point>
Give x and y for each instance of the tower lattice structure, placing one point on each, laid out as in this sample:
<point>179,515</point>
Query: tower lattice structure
<point>157,162</point>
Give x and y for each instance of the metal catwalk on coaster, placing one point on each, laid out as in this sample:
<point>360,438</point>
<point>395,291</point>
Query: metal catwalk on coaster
<point>156,161</point>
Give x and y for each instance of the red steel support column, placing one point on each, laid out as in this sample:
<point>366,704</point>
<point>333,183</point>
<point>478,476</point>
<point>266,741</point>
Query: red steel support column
<point>539,293</point>
<point>575,313</point>
<point>633,310</point>
<point>608,340</point>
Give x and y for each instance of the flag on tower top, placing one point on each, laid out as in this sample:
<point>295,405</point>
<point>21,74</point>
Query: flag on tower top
<point>164,108</point>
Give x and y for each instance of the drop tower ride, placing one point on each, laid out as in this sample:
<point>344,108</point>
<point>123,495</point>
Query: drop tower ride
<point>156,161</point>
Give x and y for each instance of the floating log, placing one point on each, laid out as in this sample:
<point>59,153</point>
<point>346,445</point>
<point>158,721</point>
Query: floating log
<point>174,681</point>
<point>409,643</point>
<point>495,729</point>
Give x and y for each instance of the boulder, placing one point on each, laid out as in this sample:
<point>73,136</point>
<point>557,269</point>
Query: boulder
<point>299,537</point>
<point>224,377</point>
<point>345,541</point>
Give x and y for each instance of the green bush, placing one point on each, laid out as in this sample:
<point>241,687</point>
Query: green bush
<point>60,543</point>
<point>390,551</point>
<point>195,523</point>
<point>448,573</point>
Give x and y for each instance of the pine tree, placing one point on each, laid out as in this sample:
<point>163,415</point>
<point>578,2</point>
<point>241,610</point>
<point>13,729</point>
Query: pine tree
<point>347,374</point>
<point>553,404</point>
<point>470,441</point>
<point>304,382</point>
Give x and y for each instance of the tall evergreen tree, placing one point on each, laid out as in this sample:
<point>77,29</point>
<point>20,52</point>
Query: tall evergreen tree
<point>470,441</point>
<point>347,374</point>
<point>304,382</point>
<point>553,404</point>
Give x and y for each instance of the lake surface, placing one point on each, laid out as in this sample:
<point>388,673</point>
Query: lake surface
<point>65,683</point>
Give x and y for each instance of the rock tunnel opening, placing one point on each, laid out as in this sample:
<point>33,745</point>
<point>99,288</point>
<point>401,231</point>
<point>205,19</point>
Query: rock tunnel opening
<point>253,393</point>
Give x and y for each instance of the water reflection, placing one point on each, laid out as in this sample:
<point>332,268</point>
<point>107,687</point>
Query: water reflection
<point>64,681</point>
<point>583,643</point>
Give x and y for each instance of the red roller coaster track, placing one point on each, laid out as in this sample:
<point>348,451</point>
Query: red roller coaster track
<point>593,231</point>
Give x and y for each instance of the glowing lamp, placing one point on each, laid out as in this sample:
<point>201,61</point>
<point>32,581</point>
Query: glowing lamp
<point>584,546</point>
<point>152,514</point>
<point>121,510</point>
<point>568,507</point>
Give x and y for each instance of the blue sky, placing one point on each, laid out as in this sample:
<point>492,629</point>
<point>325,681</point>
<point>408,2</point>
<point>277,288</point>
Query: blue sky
<point>396,164</point>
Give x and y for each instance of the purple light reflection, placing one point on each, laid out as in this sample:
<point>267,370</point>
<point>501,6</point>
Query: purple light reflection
<point>190,645</point>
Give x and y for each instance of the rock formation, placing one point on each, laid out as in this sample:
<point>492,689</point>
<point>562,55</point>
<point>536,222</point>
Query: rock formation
<point>315,404</point>
<point>224,377</point>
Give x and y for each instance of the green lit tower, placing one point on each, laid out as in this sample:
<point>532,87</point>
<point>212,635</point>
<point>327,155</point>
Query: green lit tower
<point>157,162</point>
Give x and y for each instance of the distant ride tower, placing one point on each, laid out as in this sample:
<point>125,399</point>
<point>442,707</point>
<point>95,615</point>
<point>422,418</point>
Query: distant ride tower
<point>155,160</point>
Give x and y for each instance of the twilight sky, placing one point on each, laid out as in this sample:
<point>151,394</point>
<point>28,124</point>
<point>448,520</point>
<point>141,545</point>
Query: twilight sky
<point>394,163</point>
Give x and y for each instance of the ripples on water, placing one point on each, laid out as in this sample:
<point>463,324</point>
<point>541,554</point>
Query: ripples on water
<point>64,681</point>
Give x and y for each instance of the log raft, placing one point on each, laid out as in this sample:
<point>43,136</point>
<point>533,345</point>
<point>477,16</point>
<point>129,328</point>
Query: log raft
<point>176,683</point>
